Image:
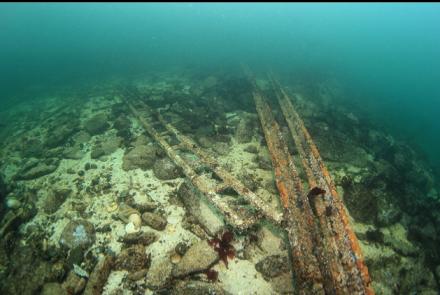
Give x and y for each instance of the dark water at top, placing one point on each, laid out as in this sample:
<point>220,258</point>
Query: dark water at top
<point>387,55</point>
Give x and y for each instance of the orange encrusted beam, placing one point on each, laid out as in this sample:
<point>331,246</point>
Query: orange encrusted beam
<point>346,267</point>
<point>300,224</point>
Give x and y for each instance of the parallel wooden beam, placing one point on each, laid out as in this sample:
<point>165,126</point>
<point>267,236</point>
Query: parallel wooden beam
<point>342,255</point>
<point>299,221</point>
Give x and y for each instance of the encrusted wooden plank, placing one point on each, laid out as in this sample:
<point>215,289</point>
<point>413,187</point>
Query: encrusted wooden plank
<point>346,269</point>
<point>299,220</point>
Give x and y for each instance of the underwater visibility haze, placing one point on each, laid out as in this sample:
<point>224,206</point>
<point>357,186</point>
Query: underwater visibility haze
<point>135,155</point>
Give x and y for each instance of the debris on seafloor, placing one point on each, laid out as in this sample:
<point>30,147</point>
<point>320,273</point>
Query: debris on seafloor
<point>89,192</point>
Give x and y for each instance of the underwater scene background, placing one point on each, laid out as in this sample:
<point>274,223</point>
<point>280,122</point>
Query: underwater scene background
<point>91,202</point>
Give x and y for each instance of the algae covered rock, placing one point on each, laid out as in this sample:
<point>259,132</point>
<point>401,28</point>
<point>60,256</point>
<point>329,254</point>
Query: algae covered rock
<point>78,233</point>
<point>154,220</point>
<point>106,147</point>
<point>37,171</point>
<point>141,156</point>
<point>97,124</point>
<point>159,274</point>
<point>244,131</point>
<point>165,169</point>
<point>199,257</point>
<point>55,199</point>
<point>272,266</point>
<point>133,259</point>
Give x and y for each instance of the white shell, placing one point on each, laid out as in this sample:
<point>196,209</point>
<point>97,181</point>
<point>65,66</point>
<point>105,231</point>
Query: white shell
<point>130,228</point>
<point>13,203</point>
<point>135,219</point>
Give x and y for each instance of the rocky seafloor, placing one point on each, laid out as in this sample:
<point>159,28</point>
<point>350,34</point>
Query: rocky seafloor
<point>90,204</point>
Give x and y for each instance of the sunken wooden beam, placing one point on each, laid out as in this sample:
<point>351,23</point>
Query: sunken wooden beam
<point>299,221</point>
<point>201,182</point>
<point>229,181</point>
<point>343,256</point>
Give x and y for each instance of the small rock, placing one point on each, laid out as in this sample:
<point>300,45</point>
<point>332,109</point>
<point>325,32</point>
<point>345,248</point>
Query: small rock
<point>74,284</point>
<point>73,152</point>
<point>53,289</point>
<point>55,199</point>
<point>165,169</point>
<point>141,156</point>
<point>132,259</point>
<point>272,266</point>
<point>137,275</point>
<point>105,148</point>
<point>78,233</point>
<point>98,277</point>
<point>144,238</point>
<point>97,124</point>
<point>251,149</point>
<point>159,274</point>
<point>37,171</point>
<point>13,203</point>
<point>197,288</point>
<point>181,248</point>
<point>199,257</point>
<point>154,220</point>
<point>244,131</point>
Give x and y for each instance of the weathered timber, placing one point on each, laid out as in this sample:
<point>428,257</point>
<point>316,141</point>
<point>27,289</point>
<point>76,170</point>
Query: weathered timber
<point>300,224</point>
<point>341,254</point>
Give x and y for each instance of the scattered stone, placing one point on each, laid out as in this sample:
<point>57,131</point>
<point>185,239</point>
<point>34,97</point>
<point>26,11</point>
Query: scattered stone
<point>197,288</point>
<point>142,157</point>
<point>134,223</point>
<point>244,131</point>
<point>272,266</point>
<point>125,211</point>
<point>251,149</point>
<point>137,275</point>
<point>165,169</point>
<point>55,199</point>
<point>144,206</point>
<point>263,160</point>
<point>105,148</point>
<point>144,238</point>
<point>13,203</point>
<point>74,284</point>
<point>53,289</point>
<point>97,124</point>
<point>81,137</point>
<point>89,166</point>
<point>58,136</point>
<point>37,171</point>
<point>175,258</point>
<point>78,233</point>
<point>132,259</point>
<point>73,152</point>
<point>199,257</point>
<point>99,275</point>
<point>395,236</point>
<point>154,220</point>
<point>181,248</point>
<point>122,123</point>
<point>159,274</point>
